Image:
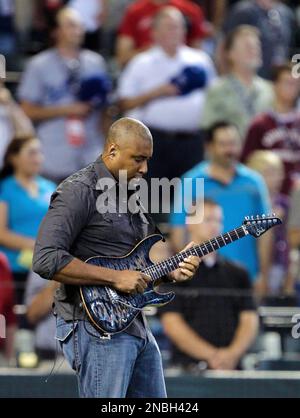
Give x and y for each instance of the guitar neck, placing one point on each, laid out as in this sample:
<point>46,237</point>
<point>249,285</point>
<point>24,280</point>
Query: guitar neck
<point>158,270</point>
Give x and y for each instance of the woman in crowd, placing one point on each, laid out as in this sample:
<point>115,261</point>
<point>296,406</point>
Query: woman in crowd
<point>24,200</point>
<point>270,166</point>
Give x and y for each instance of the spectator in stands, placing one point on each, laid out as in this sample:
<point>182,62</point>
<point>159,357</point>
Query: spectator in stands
<point>239,95</point>
<point>43,23</point>
<point>294,242</point>
<point>93,13</point>
<point>147,93</point>
<point>8,39</point>
<point>276,24</point>
<point>212,317</point>
<point>13,121</point>
<point>7,301</point>
<point>278,130</point>
<point>270,166</point>
<point>39,299</point>
<point>115,10</point>
<point>64,91</point>
<point>237,189</point>
<point>135,32</point>
<point>214,11</point>
<point>24,200</point>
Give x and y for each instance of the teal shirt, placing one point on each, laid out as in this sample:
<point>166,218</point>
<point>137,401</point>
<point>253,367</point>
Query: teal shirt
<point>246,195</point>
<point>24,212</point>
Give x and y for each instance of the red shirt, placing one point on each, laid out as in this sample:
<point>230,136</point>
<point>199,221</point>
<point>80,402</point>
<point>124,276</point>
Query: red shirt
<point>7,293</point>
<point>280,134</point>
<point>138,20</point>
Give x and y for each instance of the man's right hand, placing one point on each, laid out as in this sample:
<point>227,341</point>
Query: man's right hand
<point>77,109</point>
<point>129,281</point>
<point>166,90</point>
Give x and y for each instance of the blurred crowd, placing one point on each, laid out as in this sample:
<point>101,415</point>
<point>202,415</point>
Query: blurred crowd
<point>216,83</point>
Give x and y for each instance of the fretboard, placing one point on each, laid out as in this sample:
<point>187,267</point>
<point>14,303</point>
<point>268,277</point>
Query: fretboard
<point>155,271</point>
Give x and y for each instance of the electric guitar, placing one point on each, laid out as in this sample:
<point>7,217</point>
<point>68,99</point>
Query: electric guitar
<point>112,311</point>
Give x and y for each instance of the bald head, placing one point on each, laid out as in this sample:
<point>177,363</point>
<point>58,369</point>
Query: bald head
<point>66,14</point>
<point>125,130</point>
<point>69,28</point>
<point>169,29</point>
<point>128,147</point>
<point>168,13</point>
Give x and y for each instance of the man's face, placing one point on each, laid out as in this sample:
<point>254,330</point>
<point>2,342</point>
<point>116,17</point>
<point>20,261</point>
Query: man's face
<point>133,158</point>
<point>246,51</point>
<point>71,30</point>
<point>169,32</point>
<point>210,226</point>
<point>287,88</point>
<point>225,147</point>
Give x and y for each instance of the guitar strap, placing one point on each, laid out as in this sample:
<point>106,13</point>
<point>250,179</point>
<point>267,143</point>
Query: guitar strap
<point>151,222</point>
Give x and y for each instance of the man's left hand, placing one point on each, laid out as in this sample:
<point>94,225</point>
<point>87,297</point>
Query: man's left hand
<point>224,359</point>
<point>187,268</point>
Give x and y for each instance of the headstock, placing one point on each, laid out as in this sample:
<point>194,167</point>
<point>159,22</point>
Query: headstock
<point>256,226</point>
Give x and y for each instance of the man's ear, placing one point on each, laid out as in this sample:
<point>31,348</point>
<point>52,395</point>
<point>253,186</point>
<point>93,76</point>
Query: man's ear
<point>113,150</point>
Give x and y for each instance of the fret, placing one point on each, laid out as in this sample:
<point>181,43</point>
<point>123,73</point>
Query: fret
<point>221,241</point>
<point>215,243</point>
<point>160,269</point>
<point>209,246</point>
<point>206,249</point>
<point>169,265</point>
<point>221,236</point>
<point>237,236</point>
<point>240,232</point>
<point>227,235</point>
<point>200,254</point>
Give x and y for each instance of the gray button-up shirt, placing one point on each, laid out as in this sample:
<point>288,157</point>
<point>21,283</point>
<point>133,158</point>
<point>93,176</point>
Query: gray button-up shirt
<point>73,227</point>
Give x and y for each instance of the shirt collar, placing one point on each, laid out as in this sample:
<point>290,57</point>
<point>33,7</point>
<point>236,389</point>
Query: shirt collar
<point>103,172</point>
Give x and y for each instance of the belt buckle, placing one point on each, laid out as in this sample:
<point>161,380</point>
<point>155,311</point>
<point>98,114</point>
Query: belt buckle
<point>105,336</point>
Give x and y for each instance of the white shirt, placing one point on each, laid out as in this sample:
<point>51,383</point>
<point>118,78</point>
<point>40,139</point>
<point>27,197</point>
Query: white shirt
<point>153,68</point>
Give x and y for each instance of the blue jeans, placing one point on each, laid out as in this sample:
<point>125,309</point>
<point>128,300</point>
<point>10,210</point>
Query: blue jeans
<point>123,366</point>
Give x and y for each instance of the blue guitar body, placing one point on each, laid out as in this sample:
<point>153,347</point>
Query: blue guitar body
<point>112,311</point>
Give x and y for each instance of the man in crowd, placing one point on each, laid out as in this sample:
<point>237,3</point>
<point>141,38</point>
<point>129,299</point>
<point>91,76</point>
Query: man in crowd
<point>135,33</point>
<point>69,125</point>
<point>239,95</point>
<point>213,317</point>
<point>276,24</point>
<point>237,189</point>
<point>147,93</point>
<point>278,130</point>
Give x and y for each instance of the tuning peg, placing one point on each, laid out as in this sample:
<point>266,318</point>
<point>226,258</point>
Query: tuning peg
<point>263,215</point>
<point>247,218</point>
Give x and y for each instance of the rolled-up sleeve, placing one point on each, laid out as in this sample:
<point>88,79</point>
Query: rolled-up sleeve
<point>67,215</point>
